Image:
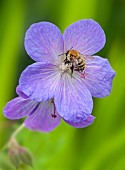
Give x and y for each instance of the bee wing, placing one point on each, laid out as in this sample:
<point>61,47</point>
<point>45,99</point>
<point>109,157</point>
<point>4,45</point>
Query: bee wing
<point>87,58</point>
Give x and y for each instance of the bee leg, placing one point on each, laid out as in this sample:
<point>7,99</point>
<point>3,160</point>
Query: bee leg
<point>72,68</point>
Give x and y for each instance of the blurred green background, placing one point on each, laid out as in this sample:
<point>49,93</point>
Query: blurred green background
<point>98,147</point>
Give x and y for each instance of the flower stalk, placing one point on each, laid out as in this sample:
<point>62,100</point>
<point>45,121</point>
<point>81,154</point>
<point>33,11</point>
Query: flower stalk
<point>17,131</point>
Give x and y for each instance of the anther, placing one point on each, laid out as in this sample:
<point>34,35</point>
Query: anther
<point>82,75</point>
<point>54,115</point>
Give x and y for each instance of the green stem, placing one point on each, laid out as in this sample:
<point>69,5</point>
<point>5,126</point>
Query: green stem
<point>17,131</point>
<point>13,136</point>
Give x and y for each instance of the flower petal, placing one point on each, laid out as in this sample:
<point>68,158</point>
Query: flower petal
<point>38,81</point>
<point>20,93</point>
<point>88,121</point>
<point>98,76</point>
<point>43,42</point>
<point>85,36</point>
<point>72,99</point>
<point>18,108</point>
<point>41,119</point>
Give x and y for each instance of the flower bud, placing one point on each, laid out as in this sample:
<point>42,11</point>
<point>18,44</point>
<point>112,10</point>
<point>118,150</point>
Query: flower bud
<point>14,157</point>
<point>18,154</point>
<point>25,156</point>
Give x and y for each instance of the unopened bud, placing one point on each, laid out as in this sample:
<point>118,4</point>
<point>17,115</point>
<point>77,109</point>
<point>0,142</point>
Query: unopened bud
<point>19,155</point>
<point>25,156</point>
<point>14,157</point>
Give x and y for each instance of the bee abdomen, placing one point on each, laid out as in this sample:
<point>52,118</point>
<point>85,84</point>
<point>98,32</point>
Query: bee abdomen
<point>80,60</point>
<point>82,65</point>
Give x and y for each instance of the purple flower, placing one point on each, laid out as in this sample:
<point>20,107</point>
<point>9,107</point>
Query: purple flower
<point>41,116</point>
<point>64,78</point>
<point>56,74</point>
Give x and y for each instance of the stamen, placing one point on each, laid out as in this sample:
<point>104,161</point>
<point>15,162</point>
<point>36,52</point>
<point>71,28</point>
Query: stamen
<point>54,115</point>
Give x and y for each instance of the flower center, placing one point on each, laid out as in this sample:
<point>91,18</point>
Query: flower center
<point>65,67</point>
<point>73,61</point>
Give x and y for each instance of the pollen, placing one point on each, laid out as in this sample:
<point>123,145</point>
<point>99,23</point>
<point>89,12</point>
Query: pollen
<point>65,67</point>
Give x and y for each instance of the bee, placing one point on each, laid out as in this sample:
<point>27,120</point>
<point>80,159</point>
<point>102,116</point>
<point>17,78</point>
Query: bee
<point>76,60</point>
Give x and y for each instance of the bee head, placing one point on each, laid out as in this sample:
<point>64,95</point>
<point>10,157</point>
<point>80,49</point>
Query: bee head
<point>71,54</point>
